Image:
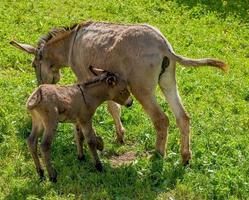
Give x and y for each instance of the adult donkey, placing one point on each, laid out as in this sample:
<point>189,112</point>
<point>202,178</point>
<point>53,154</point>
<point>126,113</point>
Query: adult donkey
<point>139,53</point>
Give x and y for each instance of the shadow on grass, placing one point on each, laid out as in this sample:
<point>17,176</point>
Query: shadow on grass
<point>146,178</point>
<point>238,8</point>
<point>124,182</point>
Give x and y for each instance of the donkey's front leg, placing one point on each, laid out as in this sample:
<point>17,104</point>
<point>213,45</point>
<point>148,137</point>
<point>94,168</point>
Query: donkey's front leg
<point>115,110</point>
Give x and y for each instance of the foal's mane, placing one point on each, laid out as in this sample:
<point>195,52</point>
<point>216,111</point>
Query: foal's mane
<point>60,32</point>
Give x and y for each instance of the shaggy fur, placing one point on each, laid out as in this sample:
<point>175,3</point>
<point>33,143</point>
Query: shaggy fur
<point>50,104</point>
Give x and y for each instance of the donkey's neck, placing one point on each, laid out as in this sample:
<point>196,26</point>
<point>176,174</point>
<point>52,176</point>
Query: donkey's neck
<point>59,49</point>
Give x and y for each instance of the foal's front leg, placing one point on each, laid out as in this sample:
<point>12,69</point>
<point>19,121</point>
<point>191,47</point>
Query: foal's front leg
<point>93,142</point>
<point>79,139</point>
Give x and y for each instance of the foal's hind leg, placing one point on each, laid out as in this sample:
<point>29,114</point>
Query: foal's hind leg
<point>115,110</point>
<point>32,145</point>
<point>169,88</point>
<point>50,125</point>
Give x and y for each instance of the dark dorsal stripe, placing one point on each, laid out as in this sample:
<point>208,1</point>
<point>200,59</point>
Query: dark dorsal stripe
<point>57,31</point>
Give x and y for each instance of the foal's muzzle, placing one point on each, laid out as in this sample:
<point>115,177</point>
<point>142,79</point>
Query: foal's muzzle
<point>129,102</point>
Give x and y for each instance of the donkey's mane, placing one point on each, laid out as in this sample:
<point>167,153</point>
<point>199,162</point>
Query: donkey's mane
<point>55,32</point>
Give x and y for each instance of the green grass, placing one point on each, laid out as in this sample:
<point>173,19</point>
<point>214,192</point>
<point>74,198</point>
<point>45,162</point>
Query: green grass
<point>218,105</point>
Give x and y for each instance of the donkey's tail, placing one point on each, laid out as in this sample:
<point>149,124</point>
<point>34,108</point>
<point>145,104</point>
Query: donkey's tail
<point>193,62</point>
<point>199,62</point>
<point>188,61</point>
<point>34,99</point>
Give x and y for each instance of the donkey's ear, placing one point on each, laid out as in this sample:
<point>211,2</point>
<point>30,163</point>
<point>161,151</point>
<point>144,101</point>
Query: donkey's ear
<point>24,47</point>
<point>96,71</point>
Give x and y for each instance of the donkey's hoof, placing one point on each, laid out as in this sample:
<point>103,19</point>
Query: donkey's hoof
<point>81,158</point>
<point>186,158</point>
<point>99,167</point>
<point>99,143</point>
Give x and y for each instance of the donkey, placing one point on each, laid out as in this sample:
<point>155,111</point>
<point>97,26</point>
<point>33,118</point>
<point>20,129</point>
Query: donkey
<point>50,104</point>
<point>139,53</point>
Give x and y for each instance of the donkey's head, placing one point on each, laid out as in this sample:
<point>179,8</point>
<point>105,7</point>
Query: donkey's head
<point>50,54</point>
<point>46,68</point>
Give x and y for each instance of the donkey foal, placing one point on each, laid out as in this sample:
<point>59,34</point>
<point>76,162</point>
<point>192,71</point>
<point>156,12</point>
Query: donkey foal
<point>50,104</point>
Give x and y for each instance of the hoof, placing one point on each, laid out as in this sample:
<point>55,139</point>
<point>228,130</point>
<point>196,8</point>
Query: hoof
<point>99,167</point>
<point>120,140</point>
<point>100,143</point>
<point>186,163</point>
<point>186,158</point>
<point>41,174</point>
<point>54,177</point>
<point>81,158</point>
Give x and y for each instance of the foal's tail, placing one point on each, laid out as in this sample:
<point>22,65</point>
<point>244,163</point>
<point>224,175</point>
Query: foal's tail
<point>34,99</point>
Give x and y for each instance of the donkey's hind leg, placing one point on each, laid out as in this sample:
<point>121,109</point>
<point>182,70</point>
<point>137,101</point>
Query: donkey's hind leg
<point>169,88</point>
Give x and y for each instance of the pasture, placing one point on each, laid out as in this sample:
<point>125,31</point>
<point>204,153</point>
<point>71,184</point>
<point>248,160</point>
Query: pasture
<point>217,103</point>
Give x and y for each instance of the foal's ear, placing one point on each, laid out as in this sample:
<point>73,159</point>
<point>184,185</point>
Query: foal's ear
<point>96,71</point>
<point>24,47</point>
<point>111,80</point>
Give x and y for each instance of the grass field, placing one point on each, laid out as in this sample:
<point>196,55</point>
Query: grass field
<point>218,104</point>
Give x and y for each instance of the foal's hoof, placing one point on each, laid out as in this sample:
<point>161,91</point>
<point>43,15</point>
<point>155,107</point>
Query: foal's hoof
<point>54,177</point>
<point>41,174</point>
<point>120,141</point>
<point>81,158</point>
<point>99,167</point>
<point>99,143</point>
<point>186,163</point>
